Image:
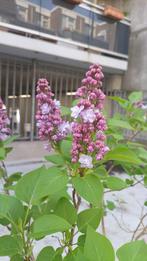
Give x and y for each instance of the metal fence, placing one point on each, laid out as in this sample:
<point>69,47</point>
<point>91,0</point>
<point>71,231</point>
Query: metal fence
<point>18,78</point>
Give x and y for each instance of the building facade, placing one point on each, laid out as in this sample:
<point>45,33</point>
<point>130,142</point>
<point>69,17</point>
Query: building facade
<point>56,40</point>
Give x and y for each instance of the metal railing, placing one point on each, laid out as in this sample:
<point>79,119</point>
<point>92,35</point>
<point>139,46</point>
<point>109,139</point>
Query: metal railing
<point>83,24</point>
<point>18,79</point>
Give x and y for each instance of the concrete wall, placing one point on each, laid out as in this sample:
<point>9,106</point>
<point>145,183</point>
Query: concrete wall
<point>136,77</point>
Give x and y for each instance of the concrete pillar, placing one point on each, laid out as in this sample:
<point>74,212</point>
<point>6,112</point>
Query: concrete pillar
<point>136,76</point>
<point>114,82</point>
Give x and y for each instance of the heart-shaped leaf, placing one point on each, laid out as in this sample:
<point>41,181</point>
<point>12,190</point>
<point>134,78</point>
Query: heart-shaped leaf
<point>40,183</point>
<point>49,224</point>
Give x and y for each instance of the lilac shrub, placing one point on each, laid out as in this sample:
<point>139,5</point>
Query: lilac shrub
<point>89,122</point>
<point>51,126</point>
<point>5,131</point>
<point>47,200</point>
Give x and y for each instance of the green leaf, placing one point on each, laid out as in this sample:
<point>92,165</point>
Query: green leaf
<point>110,205</point>
<point>98,247</point>
<point>9,246</point>
<point>65,111</point>
<point>17,258</point>
<point>10,140</point>
<point>80,256</point>
<point>142,153</point>
<point>9,149</point>
<point>81,241</point>
<point>129,182</point>
<point>133,251</point>
<point>1,172</point>
<point>66,210</point>
<point>123,154</point>
<point>75,102</point>
<point>40,183</point>
<point>14,177</point>
<point>90,188</point>
<point>115,183</point>
<point>145,181</point>
<point>135,97</point>
<point>58,254</point>
<point>101,172</point>
<point>49,254</point>
<point>2,153</point>
<point>49,224</point>
<point>120,124</point>
<point>76,255</point>
<point>56,159</point>
<point>90,217</point>
<point>11,209</point>
<point>65,148</point>
<point>46,253</point>
<point>53,199</point>
<point>49,205</point>
<point>69,257</point>
<point>122,102</point>
<point>117,136</point>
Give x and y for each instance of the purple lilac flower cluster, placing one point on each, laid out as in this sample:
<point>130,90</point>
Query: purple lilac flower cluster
<point>89,123</point>
<point>51,126</point>
<point>138,104</point>
<point>5,131</point>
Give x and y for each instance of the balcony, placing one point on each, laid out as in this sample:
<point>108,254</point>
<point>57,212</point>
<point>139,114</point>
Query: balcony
<point>84,25</point>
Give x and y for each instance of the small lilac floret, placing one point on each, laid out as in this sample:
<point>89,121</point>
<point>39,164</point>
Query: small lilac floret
<point>5,131</point>
<point>88,115</point>
<point>64,128</point>
<point>57,103</point>
<point>45,108</point>
<point>86,161</point>
<point>76,110</point>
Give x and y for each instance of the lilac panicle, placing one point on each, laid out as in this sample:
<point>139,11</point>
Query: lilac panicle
<point>5,131</point>
<point>51,126</point>
<point>89,123</point>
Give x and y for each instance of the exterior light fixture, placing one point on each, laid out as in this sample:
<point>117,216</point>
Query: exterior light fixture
<point>25,96</point>
<point>70,93</point>
<point>20,96</point>
<point>12,97</point>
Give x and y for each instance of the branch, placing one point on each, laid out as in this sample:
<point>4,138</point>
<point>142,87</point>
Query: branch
<point>111,168</point>
<point>5,176</point>
<point>140,222</point>
<point>103,226</point>
<point>133,135</point>
<point>76,205</point>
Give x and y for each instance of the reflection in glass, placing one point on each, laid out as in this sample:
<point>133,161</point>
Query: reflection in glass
<point>62,19</point>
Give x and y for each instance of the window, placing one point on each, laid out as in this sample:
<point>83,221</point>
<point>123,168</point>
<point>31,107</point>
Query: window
<point>45,21</point>
<point>21,12</point>
<point>33,16</point>
<point>68,23</point>
<point>103,35</point>
<point>87,29</point>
